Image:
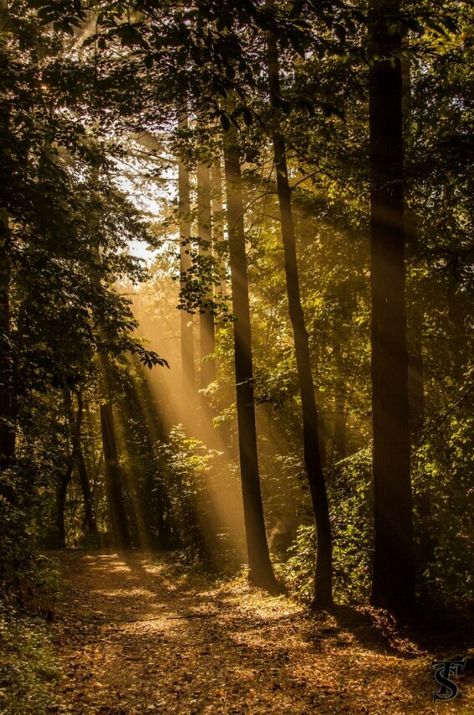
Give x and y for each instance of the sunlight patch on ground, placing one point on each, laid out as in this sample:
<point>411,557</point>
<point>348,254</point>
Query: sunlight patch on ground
<point>131,592</point>
<point>222,648</point>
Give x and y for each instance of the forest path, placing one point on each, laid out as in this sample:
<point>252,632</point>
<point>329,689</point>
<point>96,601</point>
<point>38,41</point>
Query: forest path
<point>134,635</point>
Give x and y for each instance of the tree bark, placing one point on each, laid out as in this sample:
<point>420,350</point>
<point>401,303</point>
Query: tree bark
<point>115,499</point>
<point>184,199</point>
<point>61,491</point>
<point>206,317</point>
<point>90,522</point>
<point>77,457</point>
<point>393,563</point>
<point>261,572</point>
<point>218,222</point>
<point>312,456</point>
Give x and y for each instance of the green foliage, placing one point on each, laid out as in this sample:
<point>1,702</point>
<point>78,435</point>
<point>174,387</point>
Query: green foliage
<point>200,283</point>
<point>76,94</point>
<point>443,498</point>
<point>298,570</point>
<point>349,497</point>
<point>190,473</point>
<point>16,552</point>
<point>184,464</point>
<point>28,672</point>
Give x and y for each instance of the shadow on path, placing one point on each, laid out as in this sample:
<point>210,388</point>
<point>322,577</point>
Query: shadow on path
<point>134,634</point>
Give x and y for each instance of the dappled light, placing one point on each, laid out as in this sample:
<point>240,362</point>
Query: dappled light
<point>178,644</point>
<point>236,378</point>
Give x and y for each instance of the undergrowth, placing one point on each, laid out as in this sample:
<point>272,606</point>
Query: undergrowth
<point>28,670</point>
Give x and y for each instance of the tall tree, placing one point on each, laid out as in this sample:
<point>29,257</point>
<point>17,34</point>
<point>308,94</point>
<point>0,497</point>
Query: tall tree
<point>218,221</point>
<point>206,318</point>
<point>184,199</point>
<point>261,572</point>
<point>312,456</point>
<point>59,535</point>
<point>113,479</point>
<point>393,567</point>
<point>78,457</point>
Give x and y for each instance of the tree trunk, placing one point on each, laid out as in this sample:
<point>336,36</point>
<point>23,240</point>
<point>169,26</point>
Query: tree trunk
<point>393,564</point>
<point>261,572</point>
<point>184,198</point>
<point>59,541</point>
<point>206,317</point>
<point>218,222</point>
<point>118,517</point>
<point>90,521</point>
<point>77,457</point>
<point>312,457</point>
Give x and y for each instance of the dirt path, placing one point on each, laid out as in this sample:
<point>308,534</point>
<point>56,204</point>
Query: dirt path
<point>131,638</point>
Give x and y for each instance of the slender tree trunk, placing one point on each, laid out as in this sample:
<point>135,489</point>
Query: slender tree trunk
<point>218,222</point>
<point>61,491</point>
<point>118,517</point>
<point>184,198</point>
<point>90,521</point>
<point>77,457</point>
<point>393,564</point>
<point>206,317</point>
<point>261,572</point>
<point>312,457</point>
<point>7,401</point>
<point>156,496</point>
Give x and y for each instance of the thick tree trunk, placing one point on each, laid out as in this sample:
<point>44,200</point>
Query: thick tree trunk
<point>115,499</point>
<point>312,457</point>
<point>261,572</point>
<point>184,198</point>
<point>393,564</point>
<point>206,317</point>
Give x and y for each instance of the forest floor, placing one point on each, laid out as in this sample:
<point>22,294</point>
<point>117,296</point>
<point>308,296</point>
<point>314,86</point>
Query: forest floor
<point>131,635</point>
